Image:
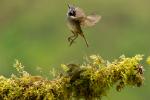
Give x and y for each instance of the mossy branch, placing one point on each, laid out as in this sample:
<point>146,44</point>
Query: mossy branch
<point>88,81</point>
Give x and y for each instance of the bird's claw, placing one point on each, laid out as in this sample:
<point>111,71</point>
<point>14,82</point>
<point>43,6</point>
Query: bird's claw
<point>69,39</point>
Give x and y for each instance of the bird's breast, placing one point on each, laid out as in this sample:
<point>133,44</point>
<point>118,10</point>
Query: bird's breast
<point>74,25</point>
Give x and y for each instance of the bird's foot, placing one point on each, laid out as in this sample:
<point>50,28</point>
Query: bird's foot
<point>69,39</point>
<point>71,42</point>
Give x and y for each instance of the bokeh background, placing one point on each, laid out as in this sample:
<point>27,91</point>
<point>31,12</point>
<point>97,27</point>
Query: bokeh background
<point>35,32</point>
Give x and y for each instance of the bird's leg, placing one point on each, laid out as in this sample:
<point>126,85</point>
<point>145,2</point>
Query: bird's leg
<point>70,37</point>
<point>84,39</point>
<point>73,37</point>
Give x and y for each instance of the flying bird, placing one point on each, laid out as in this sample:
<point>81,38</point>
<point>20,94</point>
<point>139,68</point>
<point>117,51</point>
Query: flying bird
<point>76,19</point>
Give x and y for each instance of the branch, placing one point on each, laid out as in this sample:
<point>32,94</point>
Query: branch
<point>88,81</point>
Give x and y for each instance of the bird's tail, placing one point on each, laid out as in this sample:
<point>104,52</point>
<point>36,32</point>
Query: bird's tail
<point>84,39</point>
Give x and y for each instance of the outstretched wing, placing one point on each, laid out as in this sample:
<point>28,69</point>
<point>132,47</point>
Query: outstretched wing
<point>90,20</point>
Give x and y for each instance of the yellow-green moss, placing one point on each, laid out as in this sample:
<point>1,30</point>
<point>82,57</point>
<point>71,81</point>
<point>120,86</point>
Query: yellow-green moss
<point>148,60</point>
<point>89,81</point>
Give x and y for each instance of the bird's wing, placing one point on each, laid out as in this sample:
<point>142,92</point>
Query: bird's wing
<point>79,12</point>
<point>90,20</point>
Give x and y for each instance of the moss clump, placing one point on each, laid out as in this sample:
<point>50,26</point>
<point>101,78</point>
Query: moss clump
<point>89,81</point>
<point>148,60</point>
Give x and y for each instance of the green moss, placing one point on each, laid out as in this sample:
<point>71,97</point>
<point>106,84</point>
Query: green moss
<point>89,81</point>
<point>148,60</point>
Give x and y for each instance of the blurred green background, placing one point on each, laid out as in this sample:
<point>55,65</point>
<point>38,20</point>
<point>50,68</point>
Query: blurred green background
<point>35,32</point>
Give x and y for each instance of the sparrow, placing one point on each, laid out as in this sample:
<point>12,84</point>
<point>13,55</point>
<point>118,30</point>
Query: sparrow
<point>76,19</point>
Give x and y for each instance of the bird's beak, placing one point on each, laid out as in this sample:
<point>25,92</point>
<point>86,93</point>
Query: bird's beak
<point>68,6</point>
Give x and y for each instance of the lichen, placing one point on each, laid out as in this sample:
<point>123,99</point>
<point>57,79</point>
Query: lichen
<point>87,81</point>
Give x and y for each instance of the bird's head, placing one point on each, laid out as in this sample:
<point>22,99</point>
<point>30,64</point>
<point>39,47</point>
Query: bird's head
<point>71,10</point>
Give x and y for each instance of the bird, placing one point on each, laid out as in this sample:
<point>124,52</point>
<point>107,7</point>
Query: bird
<point>76,19</point>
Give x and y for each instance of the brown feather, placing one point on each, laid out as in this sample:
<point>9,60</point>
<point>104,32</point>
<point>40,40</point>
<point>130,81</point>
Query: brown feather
<point>90,20</point>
